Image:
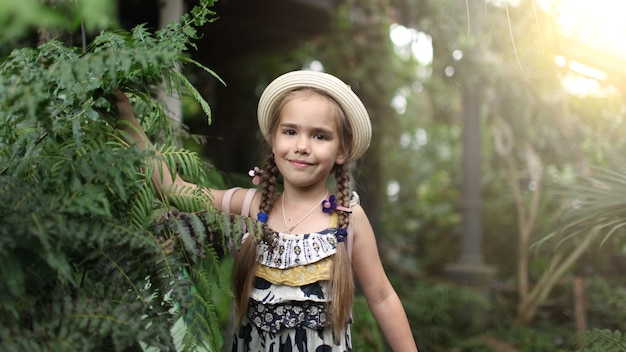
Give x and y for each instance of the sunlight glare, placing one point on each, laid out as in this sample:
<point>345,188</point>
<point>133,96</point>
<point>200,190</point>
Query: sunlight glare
<point>599,24</point>
<point>580,85</point>
<point>597,31</point>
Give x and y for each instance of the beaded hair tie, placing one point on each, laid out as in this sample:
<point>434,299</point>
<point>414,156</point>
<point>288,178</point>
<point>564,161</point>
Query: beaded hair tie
<point>331,204</point>
<point>256,174</point>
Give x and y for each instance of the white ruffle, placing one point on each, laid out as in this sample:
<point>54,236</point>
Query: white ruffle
<point>295,250</point>
<point>274,294</point>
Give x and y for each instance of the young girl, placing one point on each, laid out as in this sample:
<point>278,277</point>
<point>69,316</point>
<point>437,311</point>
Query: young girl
<point>294,283</point>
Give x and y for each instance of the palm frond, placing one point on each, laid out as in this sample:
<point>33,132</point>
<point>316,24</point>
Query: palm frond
<point>597,206</point>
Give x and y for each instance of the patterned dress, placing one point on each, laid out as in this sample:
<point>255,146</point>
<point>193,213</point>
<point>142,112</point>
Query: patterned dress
<point>287,309</point>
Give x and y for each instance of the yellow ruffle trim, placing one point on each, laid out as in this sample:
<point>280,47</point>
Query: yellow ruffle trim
<point>299,275</point>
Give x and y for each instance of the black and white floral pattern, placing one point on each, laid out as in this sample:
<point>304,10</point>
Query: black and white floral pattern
<point>283,318</point>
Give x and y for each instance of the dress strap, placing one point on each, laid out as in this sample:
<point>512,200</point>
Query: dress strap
<point>245,207</point>
<point>247,200</point>
<point>334,218</point>
<point>350,241</point>
<point>228,196</point>
<point>354,200</point>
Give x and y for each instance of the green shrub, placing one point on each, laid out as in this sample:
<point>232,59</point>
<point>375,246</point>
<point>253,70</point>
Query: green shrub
<point>441,315</point>
<point>91,258</point>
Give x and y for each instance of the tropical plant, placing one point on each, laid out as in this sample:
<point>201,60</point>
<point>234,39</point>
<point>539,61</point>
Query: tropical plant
<point>597,208</point>
<point>93,259</point>
<point>596,214</point>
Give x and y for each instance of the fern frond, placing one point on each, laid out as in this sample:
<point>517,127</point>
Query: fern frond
<point>198,234</point>
<point>201,319</point>
<point>602,340</point>
<point>212,261</point>
<point>141,207</point>
<point>189,199</point>
<point>193,91</point>
<point>186,161</point>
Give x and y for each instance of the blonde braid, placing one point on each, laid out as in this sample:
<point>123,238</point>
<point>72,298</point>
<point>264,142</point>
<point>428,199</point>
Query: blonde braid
<point>342,281</point>
<point>268,193</point>
<point>342,179</point>
<point>245,266</point>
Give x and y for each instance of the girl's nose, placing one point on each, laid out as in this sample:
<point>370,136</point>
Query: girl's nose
<point>302,145</point>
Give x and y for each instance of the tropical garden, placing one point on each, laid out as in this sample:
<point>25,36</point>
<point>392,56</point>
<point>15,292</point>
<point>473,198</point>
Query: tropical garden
<point>522,100</point>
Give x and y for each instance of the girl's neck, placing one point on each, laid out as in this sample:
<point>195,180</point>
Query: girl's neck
<point>303,195</point>
<point>300,212</point>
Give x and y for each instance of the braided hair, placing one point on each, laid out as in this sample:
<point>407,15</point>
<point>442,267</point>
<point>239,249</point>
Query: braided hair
<point>245,266</point>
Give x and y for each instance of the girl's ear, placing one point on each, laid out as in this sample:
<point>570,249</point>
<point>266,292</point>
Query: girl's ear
<point>341,157</point>
<point>272,144</point>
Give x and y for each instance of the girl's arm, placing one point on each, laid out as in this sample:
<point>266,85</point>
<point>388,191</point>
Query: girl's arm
<point>165,182</point>
<point>380,295</point>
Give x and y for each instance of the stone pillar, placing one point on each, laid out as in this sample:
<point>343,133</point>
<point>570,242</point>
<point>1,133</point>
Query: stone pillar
<point>470,268</point>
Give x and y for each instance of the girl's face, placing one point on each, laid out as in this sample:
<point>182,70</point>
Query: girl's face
<point>306,143</point>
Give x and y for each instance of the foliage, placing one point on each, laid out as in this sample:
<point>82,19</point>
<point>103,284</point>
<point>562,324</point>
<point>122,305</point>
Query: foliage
<point>200,235</point>
<point>475,345</point>
<point>92,258</point>
<point>601,340</point>
<point>607,304</point>
<point>427,195</point>
<point>595,216</point>
<point>554,328</point>
<point>366,335</point>
<point>538,339</point>
<point>597,208</point>
<point>18,18</point>
<point>445,314</point>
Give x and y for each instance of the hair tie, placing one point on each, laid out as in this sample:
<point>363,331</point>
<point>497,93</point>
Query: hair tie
<point>331,204</point>
<point>258,234</point>
<point>341,234</point>
<point>256,174</point>
<point>262,217</point>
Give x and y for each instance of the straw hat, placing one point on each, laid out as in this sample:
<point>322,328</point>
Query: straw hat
<point>350,103</point>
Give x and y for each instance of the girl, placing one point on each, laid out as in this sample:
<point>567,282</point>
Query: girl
<point>294,283</point>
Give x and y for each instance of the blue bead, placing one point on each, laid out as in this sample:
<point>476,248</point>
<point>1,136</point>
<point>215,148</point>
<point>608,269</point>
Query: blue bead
<point>262,217</point>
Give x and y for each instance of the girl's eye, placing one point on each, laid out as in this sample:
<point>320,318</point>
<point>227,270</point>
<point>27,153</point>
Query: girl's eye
<point>289,132</point>
<point>321,136</point>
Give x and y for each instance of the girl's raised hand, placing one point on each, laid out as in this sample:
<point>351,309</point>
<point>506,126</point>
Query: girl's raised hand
<point>124,106</point>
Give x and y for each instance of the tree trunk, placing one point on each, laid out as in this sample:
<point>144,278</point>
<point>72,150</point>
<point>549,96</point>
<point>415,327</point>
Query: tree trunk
<point>580,304</point>
<point>170,11</point>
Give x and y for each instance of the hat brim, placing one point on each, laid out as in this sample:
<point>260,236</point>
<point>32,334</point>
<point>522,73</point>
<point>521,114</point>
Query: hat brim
<point>350,103</point>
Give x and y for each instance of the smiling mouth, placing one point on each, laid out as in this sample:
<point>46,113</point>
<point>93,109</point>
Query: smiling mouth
<point>299,163</point>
